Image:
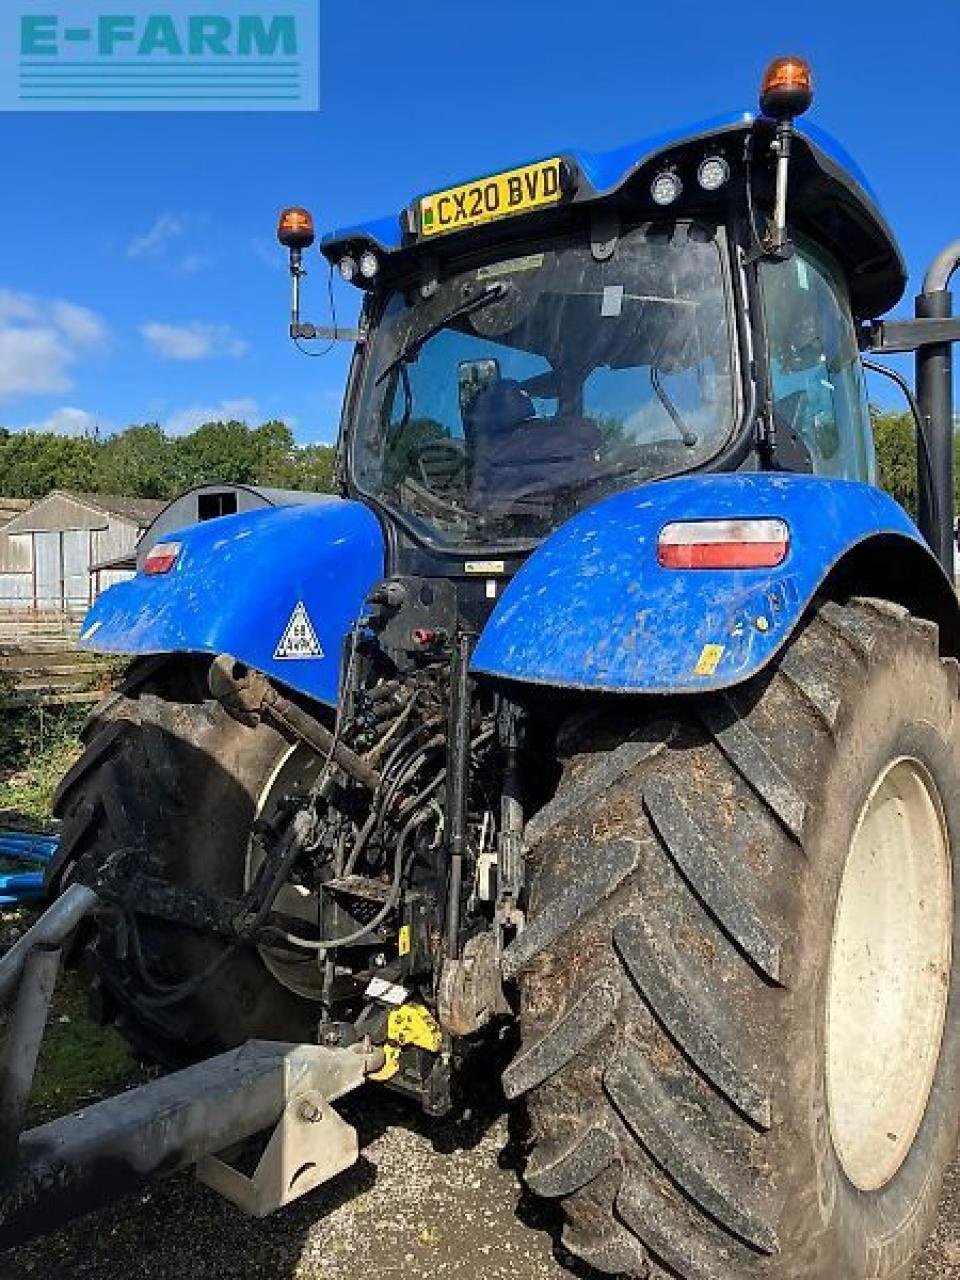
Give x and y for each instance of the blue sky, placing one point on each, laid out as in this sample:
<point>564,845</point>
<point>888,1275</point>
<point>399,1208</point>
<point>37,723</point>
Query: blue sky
<point>139,276</point>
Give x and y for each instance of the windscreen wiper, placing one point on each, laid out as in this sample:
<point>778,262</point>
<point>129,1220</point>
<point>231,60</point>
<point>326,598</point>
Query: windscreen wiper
<point>688,437</point>
<point>465,308</point>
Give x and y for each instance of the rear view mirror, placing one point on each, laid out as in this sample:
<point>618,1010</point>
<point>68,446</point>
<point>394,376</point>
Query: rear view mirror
<point>473,376</point>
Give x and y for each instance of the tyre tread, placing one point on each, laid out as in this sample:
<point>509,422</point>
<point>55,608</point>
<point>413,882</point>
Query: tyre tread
<point>586,1018</point>
<point>717,882</point>
<point>682,1060</point>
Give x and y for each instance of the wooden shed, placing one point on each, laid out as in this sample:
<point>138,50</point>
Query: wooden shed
<point>10,507</point>
<point>55,556</point>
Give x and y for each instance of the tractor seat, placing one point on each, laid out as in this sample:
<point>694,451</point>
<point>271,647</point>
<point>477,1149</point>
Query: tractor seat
<point>532,456</point>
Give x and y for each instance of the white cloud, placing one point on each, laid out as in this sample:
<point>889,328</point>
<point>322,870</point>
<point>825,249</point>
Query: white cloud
<point>82,327</point>
<point>154,242</point>
<point>17,306</point>
<point>192,341</point>
<point>183,421</point>
<point>40,340</point>
<point>68,421</point>
<point>32,362</point>
<point>170,244</point>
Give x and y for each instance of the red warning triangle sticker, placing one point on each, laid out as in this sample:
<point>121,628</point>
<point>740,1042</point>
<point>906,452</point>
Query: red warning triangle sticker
<point>299,640</point>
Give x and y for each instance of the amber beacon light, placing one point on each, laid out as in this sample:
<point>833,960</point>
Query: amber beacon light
<point>295,228</point>
<point>295,231</point>
<point>787,88</point>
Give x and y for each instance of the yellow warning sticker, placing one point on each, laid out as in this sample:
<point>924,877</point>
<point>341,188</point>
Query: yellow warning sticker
<point>403,942</point>
<point>709,659</point>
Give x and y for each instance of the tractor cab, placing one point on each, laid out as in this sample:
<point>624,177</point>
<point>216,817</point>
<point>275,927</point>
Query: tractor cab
<point>563,376</point>
<point>533,341</point>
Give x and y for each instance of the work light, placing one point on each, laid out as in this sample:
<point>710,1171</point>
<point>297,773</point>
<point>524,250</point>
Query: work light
<point>369,264</point>
<point>665,188</point>
<point>713,173</point>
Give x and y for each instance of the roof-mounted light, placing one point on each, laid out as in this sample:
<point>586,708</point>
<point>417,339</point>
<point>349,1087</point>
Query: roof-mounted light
<point>295,229</point>
<point>713,173</point>
<point>786,92</point>
<point>369,264</point>
<point>665,188</point>
<point>348,268</point>
<point>787,88</point>
<point>723,544</point>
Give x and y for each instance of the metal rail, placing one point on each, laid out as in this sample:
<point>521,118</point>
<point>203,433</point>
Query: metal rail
<point>84,1161</point>
<point>80,1162</point>
<point>51,930</point>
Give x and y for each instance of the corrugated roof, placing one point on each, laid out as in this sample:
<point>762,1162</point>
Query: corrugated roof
<point>142,510</point>
<point>67,509</point>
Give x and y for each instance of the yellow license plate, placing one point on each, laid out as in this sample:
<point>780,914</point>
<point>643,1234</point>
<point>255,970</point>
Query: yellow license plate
<point>516,191</point>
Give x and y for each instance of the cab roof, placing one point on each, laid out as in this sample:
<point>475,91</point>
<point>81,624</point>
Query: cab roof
<point>830,199</point>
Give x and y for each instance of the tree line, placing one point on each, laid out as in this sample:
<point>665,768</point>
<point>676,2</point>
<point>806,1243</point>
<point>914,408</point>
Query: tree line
<point>144,462</point>
<point>895,443</point>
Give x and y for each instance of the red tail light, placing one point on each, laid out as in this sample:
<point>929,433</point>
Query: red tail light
<point>723,544</point>
<point>161,557</point>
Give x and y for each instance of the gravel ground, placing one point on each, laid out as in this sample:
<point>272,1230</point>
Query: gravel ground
<point>438,1200</point>
<point>424,1201</point>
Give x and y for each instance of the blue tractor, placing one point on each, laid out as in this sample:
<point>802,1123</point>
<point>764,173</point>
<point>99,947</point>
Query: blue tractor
<point>610,697</point>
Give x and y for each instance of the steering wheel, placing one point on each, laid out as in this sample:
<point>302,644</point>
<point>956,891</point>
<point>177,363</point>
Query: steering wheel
<point>441,465</point>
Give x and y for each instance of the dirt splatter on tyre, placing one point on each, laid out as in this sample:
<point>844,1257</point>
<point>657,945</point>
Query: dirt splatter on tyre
<point>167,771</point>
<point>698,911</point>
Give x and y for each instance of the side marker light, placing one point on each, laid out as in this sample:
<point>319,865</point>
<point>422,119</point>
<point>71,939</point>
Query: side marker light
<point>161,558</point>
<point>723,544</point>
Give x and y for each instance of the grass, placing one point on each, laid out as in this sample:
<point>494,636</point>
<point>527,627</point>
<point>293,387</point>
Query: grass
<point>37,746</point>
<point>79,1061</point>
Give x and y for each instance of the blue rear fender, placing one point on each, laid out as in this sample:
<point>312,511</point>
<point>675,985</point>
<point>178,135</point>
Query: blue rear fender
<point>593,609</point>
<point>241,581</point>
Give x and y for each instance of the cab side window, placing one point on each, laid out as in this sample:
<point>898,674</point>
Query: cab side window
<point>816,375</point>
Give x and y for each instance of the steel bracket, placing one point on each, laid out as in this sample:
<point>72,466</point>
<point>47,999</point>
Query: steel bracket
<point>83,1161</point>
<point>309,1145</point>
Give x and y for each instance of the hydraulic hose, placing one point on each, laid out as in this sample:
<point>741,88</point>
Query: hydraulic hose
<point>329,944</point>
<point>163,995</point>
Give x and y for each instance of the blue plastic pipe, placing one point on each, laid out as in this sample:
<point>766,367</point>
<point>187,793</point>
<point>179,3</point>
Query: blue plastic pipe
<point>30,847</point>
<point>24,846</point>
<point>24,882</point>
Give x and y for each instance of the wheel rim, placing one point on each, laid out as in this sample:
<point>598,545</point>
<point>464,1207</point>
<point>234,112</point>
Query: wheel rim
<point>294,771</point>
<point>889,976</point>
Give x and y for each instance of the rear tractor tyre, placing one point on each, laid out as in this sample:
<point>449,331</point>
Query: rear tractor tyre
<point>167,771</point>
<point>740,996</point>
